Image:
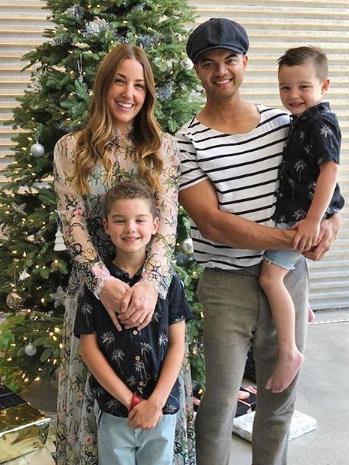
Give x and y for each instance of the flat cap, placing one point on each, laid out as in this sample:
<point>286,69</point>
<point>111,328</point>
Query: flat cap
<point>217,33</point>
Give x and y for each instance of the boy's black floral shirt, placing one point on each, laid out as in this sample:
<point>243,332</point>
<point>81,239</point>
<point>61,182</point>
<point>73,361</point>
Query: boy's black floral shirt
<point>135,356</point>
<point>314,138</point>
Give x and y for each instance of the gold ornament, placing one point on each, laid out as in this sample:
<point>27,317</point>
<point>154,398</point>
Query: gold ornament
<point>13,300</point>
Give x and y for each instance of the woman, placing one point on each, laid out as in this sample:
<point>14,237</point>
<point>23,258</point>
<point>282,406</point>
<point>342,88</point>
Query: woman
<point>121,140</point>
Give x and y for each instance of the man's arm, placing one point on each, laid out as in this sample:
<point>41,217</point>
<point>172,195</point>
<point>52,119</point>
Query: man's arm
<point>201,203</point>
<point>102,371</point>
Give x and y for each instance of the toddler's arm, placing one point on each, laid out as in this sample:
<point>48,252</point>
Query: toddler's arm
<point>308,229</point>
<point>102,371</point>
<point>147,414</point>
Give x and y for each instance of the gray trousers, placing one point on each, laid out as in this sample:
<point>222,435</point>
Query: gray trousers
<point>236,316</point>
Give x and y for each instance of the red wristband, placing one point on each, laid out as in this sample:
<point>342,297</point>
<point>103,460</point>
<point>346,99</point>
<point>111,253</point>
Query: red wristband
<point>134,401</point>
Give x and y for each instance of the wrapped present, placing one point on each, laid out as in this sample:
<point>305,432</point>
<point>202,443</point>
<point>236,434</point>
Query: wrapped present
<point>243,406</point>
<point>248,404</point>
<point>22,427</point>
<point>300,424</point>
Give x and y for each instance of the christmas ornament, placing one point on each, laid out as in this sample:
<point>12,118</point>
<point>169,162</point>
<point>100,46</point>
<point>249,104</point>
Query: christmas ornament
<point>187,246</point>
<point>30,349</point>
<point>74,11</point>
<point>59,241</point>
<point>165,92</point>
<point>13,300</point>
<point>95,27</point>
<point>37,150</point>
<point>19,208</point>
<point>24,275</point>
<point>186,63</point>
<point>58,297</point>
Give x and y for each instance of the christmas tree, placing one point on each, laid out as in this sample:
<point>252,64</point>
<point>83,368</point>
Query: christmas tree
<point>34,263</point>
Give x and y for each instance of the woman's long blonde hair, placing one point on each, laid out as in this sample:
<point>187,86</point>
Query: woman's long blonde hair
<point>100,129</point>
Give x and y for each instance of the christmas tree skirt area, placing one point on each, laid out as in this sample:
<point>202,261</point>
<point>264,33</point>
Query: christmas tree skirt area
<point>300,424</point>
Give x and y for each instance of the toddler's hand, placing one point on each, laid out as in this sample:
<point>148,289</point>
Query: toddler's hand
<point>307,234</point>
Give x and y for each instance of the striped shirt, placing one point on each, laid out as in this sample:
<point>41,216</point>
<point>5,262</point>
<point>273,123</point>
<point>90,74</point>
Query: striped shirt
<point>244,171</point>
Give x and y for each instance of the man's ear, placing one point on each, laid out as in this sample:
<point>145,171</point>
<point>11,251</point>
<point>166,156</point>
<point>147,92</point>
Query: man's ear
<point>325,86</point>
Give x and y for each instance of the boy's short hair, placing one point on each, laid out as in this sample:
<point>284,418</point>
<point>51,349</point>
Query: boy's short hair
<point>130,189</point>
<point>300,55</point>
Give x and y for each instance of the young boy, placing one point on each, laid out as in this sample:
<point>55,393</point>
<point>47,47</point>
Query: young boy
<point>134,371</point>
<point>308,190</point>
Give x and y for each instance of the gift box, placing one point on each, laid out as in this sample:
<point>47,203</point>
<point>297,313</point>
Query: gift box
<point>300,424</point>
<point>22,427</point>
<point>247,405</point>
<point>243,406</point>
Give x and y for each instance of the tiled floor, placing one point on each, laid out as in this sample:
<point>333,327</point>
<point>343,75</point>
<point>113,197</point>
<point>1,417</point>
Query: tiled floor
<point>323,394</point>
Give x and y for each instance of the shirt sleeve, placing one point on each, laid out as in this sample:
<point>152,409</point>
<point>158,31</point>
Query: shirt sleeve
<point>158,265</point>
<point>327,139</point>
<point>85,322</point>
<point>191,173</point>
<point>178,305</point>
<point>71,209</point>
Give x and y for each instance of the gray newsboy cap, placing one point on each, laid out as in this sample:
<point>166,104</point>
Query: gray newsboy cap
<point>217,33</point>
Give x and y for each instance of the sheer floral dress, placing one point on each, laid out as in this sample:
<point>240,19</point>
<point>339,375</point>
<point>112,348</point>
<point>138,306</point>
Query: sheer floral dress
<point>84,236</point>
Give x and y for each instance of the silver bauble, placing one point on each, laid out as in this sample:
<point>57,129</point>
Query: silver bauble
<point>186,63</point>
<point>30,349</point>
<point>13,300</point>
<point>187,246</point>
<point>37,150</point>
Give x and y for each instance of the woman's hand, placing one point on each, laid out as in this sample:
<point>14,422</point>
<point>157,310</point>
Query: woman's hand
<point>138,305</point>
<point>111,296</point>
<point>328,231</point>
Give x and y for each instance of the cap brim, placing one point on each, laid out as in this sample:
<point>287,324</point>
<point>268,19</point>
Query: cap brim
<point>228,47</point>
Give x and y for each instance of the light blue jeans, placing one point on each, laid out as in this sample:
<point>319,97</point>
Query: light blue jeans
<point>119,444</point>
<point>283,258</point>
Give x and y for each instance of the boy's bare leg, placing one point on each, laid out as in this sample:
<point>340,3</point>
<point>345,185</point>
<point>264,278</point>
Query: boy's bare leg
<point>282,308</point>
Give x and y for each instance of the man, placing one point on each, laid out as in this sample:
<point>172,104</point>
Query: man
<point>230,153</point>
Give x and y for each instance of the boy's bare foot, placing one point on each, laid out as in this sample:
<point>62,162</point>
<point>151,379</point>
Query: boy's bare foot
<point>284,372</point>
<point>311,315</point>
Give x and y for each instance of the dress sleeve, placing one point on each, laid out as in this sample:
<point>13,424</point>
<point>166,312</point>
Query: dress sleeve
<point>157,268</point>
<point>72,212</point>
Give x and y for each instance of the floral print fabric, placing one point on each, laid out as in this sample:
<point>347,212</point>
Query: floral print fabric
<point>82,221</point>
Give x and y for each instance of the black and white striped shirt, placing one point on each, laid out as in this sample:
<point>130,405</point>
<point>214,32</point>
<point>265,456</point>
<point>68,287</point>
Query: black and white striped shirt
<point>244,171</point>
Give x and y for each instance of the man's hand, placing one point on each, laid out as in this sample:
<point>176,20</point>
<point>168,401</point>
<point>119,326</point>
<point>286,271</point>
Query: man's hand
<point>138,305</point>
<point>328,233</point>
<point>111,296</point>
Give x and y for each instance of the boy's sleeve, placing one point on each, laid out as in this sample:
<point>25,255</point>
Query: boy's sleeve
<point>326,142</point>
<point>178,305</point>
<point>85,322</point>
